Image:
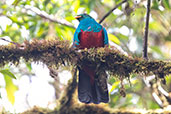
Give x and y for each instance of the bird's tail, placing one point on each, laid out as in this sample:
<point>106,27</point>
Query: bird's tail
<point>91,89</point>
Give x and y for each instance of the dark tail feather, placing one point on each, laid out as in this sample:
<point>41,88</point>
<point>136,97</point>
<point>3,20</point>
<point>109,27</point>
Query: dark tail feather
<point>101,85</point>
<point>89,92</point>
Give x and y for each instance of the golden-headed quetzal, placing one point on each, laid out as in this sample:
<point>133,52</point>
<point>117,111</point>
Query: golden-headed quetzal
<point>90,34</point>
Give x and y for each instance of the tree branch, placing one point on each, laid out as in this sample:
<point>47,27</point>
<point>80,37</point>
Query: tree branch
<point>49,17</point>
<point>145,46</point>
<point>8,41</point>
<point>95,109</point>
<point>56,53</point>
<point>108,13</point>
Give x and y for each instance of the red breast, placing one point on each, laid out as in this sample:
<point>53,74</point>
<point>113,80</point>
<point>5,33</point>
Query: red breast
<point>90,39</point>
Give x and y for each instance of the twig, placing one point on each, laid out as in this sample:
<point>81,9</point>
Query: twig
<point>108,13</point>
<point>49,17</point>
<point>9,41</point>
<point>145,54</point>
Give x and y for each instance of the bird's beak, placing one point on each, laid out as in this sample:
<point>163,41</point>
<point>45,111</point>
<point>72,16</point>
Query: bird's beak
<point>77,17</point>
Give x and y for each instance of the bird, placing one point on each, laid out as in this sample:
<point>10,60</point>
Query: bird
<point>90,34</point>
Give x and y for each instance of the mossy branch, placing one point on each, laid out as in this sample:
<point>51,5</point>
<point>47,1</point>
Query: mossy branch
<point>96,109</point>
<point>57,53</point>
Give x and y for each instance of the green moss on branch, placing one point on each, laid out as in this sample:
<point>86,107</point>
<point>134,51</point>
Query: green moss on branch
<point>94,109</point>
<point>57,53</point>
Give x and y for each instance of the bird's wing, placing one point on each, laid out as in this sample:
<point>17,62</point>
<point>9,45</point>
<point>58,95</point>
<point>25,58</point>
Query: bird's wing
<point>76,38</point>
<point>106,42</point>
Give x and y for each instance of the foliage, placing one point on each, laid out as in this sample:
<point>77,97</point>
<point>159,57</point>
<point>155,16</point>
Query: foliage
<point>10,87</point>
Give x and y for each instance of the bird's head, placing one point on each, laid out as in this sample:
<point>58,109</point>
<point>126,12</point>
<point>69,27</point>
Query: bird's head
<point>83,16</point>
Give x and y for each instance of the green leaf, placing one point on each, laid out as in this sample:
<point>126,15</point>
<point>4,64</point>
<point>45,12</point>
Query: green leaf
<point>76,5</point>
<point>122,37</point>
<point>46,2</point>
<point>155,26</point>
<point>53,10</point>
<point>114,86</point>
<point>113,38</point>
<point>10,88</point>
<point>28,65</point>
<point>155,5</point>
<point>156,49</point>
<point>166,4</point>
<point>16,2</point>
<point>7,73</point>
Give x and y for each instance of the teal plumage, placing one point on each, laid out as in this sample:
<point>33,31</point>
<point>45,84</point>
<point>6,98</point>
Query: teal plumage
<point>89,24</point>
<point>90,34</point>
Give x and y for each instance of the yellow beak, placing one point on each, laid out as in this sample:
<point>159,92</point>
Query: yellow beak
<point>77,17</point>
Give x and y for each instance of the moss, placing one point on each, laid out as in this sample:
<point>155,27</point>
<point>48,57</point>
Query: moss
<point>57,53</point>
<point>96,109</point>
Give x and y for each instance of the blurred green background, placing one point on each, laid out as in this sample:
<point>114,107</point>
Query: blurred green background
<point>27,19</point>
